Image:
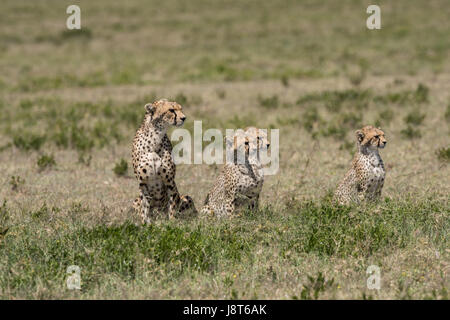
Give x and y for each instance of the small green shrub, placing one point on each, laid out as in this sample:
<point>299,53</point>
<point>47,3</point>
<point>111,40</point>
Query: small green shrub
<point>347,145</point>
<point>181,99</point>
<point>310,118</point>
<point>239,122</point>
<point>334,100</point>
<point>415,118</point>
<point>385,117</point>
<point>4,219</point>
<point>28,141</point>
<point>341,124</point>
<point>80,140</point>
<point>335,131</point>
<point>443,154</point>
<point>418,96</point>
<point>285,81</point>
<point>16,182</point>
<point>221,93</point>
<point>316,286</point>
<point>269,102</point>
<point>82,34</point>
<point>41,212</point>
<point>45,162</point>
<point>84,158</point>
<point>26,104</point>
<point>411,133</point>
<point>421,94</point>
<point>121,168</point>
<point>356,77</point>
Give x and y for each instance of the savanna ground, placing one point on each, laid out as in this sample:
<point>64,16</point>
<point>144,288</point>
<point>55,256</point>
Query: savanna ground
<point>70,102</point>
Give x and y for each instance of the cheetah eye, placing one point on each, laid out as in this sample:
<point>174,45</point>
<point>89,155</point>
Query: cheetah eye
<point>172,110</point>
<point>246,143</point>
<point>377,137</point>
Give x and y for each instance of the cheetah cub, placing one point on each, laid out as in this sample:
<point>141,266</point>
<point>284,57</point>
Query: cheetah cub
<point>240,182</point>
<point>153,164</point>
<point>365,178</point>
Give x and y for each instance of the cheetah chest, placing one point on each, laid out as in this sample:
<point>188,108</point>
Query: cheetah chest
<point>250,182</point>
<point>153,167</point>
<point>376,174</point>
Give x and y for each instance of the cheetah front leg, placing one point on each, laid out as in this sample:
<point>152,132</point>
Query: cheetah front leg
<point>254,203</point>
<point>147,172</point>
<point>187,207</point>
<point>230,197</point>
<point>167,174</point>
<point>378,193</point>
<point>361,192</point>
<point>145,208</point>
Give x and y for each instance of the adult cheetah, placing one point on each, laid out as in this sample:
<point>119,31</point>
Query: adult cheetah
<point>365,179</point>
<point>240,182</point>
<point>153,165</point>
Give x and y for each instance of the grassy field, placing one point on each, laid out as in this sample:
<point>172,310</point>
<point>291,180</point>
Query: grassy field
<point>71,101</point>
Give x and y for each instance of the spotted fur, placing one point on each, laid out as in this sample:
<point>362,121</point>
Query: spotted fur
<point>365,179</point>
<point>153,164</point>
<point>239,184</point>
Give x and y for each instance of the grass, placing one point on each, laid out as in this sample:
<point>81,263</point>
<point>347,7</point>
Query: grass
<point>415,118</point>
<point>175,252</point>
<point>121,167</point>
<point>16,182</point>
<point>28,141</point>
<point>45,162</point>
<point>443,154</point>
<point>411,132</point>
<point>311,70</point>
<point>269,102</point>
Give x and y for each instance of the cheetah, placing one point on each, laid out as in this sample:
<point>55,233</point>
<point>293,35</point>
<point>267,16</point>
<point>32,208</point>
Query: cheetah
<point>365,179</point>
<point>239,184</point>
<point>153,164</point>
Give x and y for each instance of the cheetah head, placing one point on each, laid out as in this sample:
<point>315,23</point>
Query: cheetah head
<point>164,114</point>
<point>256,139</point>
<point>371,137</point>
<point>249,142</point>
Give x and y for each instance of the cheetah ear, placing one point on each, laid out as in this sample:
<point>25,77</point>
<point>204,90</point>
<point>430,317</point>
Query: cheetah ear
<point>150,108</point>
<point>359,135</point>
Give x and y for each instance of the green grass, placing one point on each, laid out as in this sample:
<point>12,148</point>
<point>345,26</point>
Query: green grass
<point>16,182</point>
<point>170,252</point>
<point>45,162</point>
<point>443,154</point>
<point>415,118</point>
<point>121,167</point>
<point>411,132</point>
<point>310,69</point>
<point>269,102</point>
<point>28,141</point>
<point>266,44</point>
